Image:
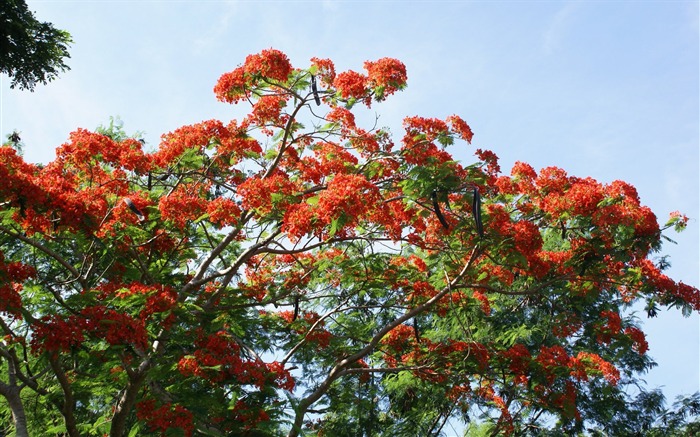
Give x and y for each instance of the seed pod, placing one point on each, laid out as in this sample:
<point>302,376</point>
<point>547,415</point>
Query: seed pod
<point>315,90</point>
<point>476,209</point>
<point>296,308</point>
<point>438,213</point>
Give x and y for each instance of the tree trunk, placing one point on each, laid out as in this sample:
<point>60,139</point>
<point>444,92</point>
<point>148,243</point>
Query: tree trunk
<point>127,401</point>
<point>11,393</point>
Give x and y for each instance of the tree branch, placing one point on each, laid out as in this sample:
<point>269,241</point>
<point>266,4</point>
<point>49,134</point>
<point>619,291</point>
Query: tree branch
<point>337,370</point>
<point>49,252</point>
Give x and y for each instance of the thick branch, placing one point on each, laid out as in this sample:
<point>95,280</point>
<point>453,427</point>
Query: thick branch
<point>127,400</point>
<point>11,394</point>
<point>11,391</point>
<point>68,407</point>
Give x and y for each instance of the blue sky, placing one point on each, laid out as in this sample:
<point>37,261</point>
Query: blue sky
<point>607,89</point>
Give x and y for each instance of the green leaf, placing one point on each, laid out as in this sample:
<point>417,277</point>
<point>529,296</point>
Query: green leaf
<point>135,430</point>
<point>335,225</point>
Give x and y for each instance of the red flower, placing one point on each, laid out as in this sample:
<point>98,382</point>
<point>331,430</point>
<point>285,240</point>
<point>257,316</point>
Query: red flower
<point>230,87</point>
<point>325,69</point>
<point>268,110</point>
<point>639,339</point>
<point>519,360</point>
<point>181,207</point>
<point>223,211</point>
<point>462,129</point>
<point>257,193</point>
<point>165,418</point>
<point>269,63</point>
<point>387,73</point>
<point>351,84</point>
<point>598,364</point>
<point>485,304</point>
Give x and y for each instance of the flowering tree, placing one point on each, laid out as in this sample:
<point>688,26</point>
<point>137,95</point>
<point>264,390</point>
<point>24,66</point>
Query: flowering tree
<point>293,272</point>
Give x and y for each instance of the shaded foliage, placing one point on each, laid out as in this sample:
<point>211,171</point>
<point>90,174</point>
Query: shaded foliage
<point>31,51</point>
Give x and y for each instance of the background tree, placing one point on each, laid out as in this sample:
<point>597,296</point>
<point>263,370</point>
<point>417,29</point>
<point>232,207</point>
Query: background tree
<point>31,51</point>
<point>294,272</point>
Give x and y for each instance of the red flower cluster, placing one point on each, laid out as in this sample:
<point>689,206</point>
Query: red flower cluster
<point>462,129</point>
<point>556,362</point>
<point>387,73</point>
<point>268,64</point>
<point>594,363</point>
<point>325,70</point>
<point>58,333</point>
<point>662,284</point>
<point>519,358</point>
<point>12,277</point>
<point>485,304</point>
<point>223,212</point>
<point>399,338</point>
<point>217,359</point>
<point>160,298</point>
<point>165,418</point>
<point>230,141</point>
<point>268,110</point>
<point>55,333</point>
<point>418,143</point>
<point>639,339</point>
<point>231,86</point>
<point>611,327</point>
<point>182,206</point>
<point>350,196</point>
<point>85,148</point>
<point>351,85</point>
<point>257,193</point>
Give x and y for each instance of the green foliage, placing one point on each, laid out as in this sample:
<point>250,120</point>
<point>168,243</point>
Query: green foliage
<point>31,51</point>
<point>262,277</point>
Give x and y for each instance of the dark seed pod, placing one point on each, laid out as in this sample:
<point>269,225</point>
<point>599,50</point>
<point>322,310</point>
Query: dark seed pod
<point>296,308</point>
<point>438,213</point>
<point>476,209</point>
<point>315,90</point>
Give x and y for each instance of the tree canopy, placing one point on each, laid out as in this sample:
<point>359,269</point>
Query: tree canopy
<point>295,273</point>
<point>31,51</point>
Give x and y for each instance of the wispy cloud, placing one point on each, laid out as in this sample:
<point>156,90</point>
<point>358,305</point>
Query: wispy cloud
<point>554,33</point>
<point>209,39</point>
